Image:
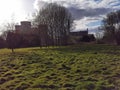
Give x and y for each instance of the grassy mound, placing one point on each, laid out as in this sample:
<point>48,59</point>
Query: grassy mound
<point>85,67</point>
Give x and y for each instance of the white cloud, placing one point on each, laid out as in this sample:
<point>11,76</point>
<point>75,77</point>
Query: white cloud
<point>85,3</point>
<point>38,4</point>
<point>85,11</point>
<point>83,23</point>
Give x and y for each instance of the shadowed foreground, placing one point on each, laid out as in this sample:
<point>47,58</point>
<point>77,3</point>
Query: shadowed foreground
<point>88,67</point>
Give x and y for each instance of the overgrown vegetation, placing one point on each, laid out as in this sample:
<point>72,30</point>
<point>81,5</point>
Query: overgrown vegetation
<point>85,67</point>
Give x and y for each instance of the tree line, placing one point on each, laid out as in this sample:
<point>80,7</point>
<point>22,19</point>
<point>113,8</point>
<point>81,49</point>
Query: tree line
<point>53,23</point>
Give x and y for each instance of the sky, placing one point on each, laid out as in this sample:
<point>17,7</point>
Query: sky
<point>86,13</point>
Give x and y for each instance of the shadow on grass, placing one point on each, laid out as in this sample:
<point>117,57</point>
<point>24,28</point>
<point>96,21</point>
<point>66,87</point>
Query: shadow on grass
<point>83,48</point>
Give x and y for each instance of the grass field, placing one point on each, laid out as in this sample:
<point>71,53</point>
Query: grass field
<point>84,67</point>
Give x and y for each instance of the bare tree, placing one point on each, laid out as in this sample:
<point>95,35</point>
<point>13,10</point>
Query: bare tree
<point>10,36</point>
<point>112,26</point>
<point>2,42</point>
<point>10,40</point>
<point>59,22</point>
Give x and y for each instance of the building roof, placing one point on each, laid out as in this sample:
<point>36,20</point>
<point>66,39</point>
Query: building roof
<point>79,33</point>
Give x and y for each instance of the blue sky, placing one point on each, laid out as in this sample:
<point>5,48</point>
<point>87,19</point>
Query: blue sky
<point>87,13</point>
<point>96,23</point>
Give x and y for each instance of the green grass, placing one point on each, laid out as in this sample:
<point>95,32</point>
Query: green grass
<point>84,67</point>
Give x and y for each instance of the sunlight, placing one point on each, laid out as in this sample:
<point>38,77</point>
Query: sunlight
<point>8,8</point>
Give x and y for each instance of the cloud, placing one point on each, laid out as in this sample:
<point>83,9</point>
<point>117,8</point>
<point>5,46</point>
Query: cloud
<point>85,11</point>
<point>39,4</point>
<point>87,22</point>
<point>81,13</point>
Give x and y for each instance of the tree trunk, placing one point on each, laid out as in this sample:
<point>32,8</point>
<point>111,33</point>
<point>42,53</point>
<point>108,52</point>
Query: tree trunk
<point>12,50</point>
